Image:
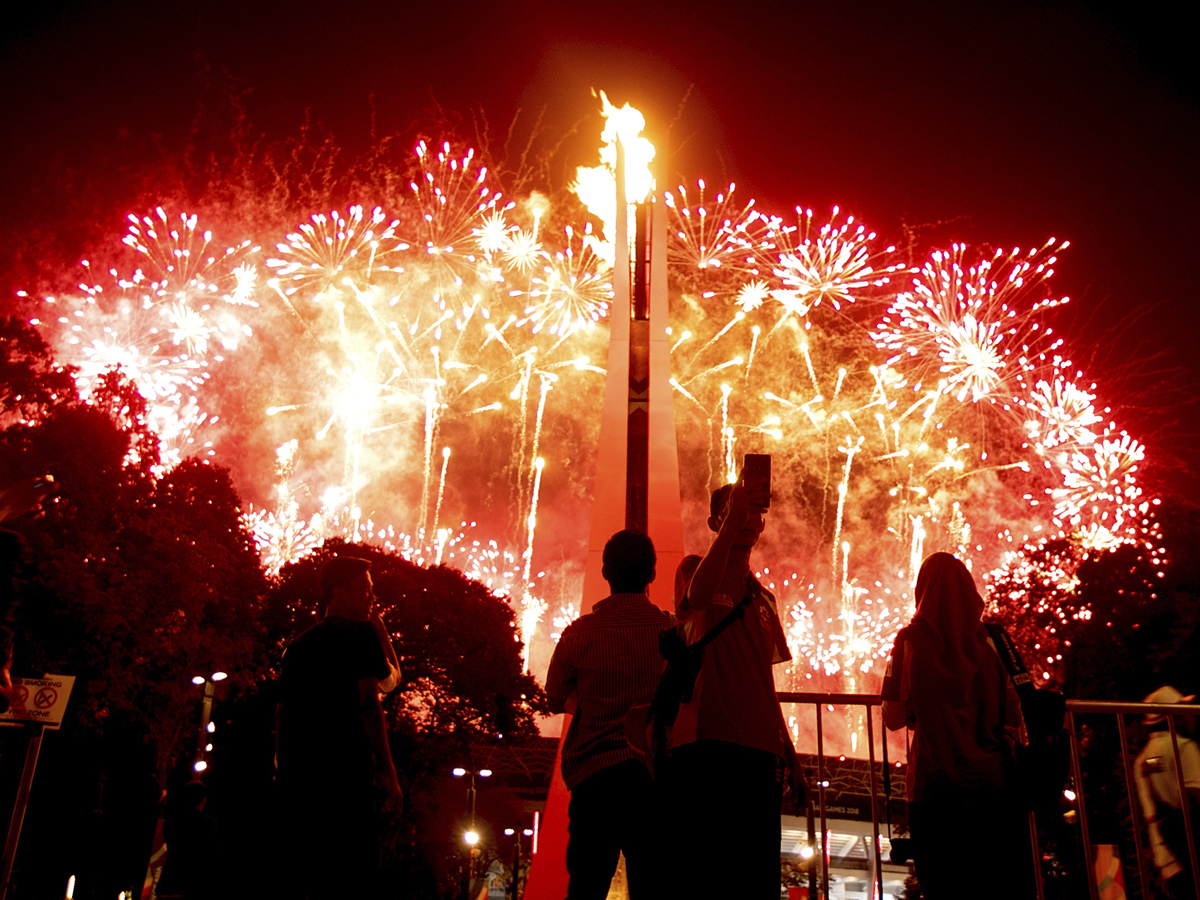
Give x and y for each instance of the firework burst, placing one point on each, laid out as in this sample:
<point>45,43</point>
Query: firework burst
<point>332,250</point>
<point>976,325</point>
<point>182,257</point>
<point>572,290</point>
<point>1062,413</point>
<point>829,263</point>
<point>457,207</point>
<point>715,233</point>
<point>162,328</point>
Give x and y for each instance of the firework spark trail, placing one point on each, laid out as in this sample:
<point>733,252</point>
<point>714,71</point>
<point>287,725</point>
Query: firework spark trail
<point>808,364</point>
<point>520,393</point>
<point>850,450</point>
<point>737,318</point>
<point>427,469</point>
<point>675,385</point>
<point>532,608</point>
<point>441,493</point>
<point>727,435</point>
<point>546,382</point>
<point>754,332</point>
<point>917,555</point>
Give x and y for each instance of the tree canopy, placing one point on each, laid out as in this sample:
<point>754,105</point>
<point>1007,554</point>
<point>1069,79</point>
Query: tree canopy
<point>1124,625</point>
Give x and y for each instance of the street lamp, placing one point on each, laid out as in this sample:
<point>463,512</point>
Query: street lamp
<point>514,888</point>
<point>471,835</point>
<point>207,727</point>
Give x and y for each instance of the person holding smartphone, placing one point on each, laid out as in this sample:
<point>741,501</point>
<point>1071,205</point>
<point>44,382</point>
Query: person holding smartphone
<point>730,744</point>
<point>331,741</point>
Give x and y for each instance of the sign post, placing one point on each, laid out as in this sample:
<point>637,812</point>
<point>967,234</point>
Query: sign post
<point>38,704</point>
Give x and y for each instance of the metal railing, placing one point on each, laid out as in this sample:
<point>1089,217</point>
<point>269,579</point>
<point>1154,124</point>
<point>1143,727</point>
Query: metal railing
<point>869,702</point>
<point>1117,712</point>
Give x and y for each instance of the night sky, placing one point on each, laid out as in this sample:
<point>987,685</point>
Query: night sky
<point>999,123</point>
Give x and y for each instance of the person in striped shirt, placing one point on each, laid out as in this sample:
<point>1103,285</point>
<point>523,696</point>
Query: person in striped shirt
<point>606,662</point>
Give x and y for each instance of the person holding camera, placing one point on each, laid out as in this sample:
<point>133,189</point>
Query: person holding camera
<point>606,662</point>
<point>947,684</point>
<point>730,742</point>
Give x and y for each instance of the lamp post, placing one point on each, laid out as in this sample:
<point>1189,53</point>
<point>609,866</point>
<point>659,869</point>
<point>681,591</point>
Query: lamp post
<point>514,888</point>
<point>199,764</point>
<point>203,741</point>
<point>471,835</point>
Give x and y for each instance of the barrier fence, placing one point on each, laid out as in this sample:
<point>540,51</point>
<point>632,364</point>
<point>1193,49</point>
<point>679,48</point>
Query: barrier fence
<point>1095,759</point>
<point>1100,764</point>
<point>819,784</point>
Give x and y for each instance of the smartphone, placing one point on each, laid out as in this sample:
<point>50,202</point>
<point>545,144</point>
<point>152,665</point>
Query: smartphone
<point>756,474</point>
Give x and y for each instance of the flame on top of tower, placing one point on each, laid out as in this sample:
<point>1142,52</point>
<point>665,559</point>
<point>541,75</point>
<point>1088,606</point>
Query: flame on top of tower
<point>626,123</point>
<point>596,185</point>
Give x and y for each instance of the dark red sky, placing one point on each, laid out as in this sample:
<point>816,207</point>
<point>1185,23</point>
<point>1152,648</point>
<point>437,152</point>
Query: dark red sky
<point>1000,122</point>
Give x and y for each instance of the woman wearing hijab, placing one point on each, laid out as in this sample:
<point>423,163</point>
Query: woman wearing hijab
<point>946,683</point>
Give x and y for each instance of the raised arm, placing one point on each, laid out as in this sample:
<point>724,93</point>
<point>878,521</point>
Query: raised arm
<point>376,728</point>
<point>729,553</point>
<point>388,684</point>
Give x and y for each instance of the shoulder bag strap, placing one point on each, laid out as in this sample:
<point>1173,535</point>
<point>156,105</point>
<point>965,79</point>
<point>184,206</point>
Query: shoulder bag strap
<point>1011,658</point>
<point>712,633</point>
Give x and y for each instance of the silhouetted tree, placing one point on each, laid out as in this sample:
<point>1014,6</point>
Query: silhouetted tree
<point>1125,625</point>
<point>132,582</point>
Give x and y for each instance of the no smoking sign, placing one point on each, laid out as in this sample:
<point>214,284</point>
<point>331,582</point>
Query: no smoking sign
<point>39,701</point>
